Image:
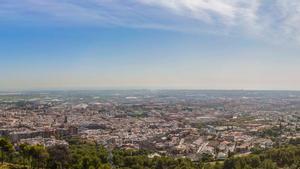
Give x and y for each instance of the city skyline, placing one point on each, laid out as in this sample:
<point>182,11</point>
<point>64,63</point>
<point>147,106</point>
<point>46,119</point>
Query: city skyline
<point>155,44</point>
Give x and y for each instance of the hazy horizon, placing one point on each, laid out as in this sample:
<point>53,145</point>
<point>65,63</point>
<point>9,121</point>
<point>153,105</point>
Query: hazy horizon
<point>138,89</point>
<point>151,44</point>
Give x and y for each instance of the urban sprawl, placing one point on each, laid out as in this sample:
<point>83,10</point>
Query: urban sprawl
<point>178,123</point>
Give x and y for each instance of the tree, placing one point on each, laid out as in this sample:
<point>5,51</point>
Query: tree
<point>59,157</point>
<point>6,148</point>
<point>229,163</point>
<point>268,164</point>
<point>253,161</point>
<point>206,157</point>
<point>40,155</point>
<point>24,152</point>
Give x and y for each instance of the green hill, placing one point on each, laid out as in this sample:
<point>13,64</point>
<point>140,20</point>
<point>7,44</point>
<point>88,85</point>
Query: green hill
<point>82,155</point>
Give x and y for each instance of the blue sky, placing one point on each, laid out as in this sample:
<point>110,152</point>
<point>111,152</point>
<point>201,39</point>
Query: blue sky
<point>185,44</point>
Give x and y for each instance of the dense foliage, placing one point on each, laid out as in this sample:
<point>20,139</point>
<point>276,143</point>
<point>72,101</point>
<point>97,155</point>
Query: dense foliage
<point>83,155</point>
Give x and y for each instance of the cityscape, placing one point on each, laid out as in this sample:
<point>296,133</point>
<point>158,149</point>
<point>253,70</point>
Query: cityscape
<point>178,123</point>
<point>149,84</point>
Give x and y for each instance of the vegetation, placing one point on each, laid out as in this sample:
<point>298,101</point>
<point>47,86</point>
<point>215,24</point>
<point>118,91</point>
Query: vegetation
<point>283,157</point>
<point>83,155</point>
<point>272,132</point>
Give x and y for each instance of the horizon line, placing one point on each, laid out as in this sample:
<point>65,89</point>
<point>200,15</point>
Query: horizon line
<point>139,89</point>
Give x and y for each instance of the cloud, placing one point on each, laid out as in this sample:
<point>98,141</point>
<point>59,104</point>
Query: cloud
<point>287,22</point>
<point>197,9</point>
<point>266,19</point>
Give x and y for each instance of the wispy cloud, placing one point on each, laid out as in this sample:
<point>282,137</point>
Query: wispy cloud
<point>268,19</point>
<point>201,9</point>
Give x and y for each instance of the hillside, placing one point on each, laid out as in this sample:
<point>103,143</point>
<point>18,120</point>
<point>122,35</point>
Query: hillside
<point>83,155</point>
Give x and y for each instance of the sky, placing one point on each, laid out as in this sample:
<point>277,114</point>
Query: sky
<point>150,44</point>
